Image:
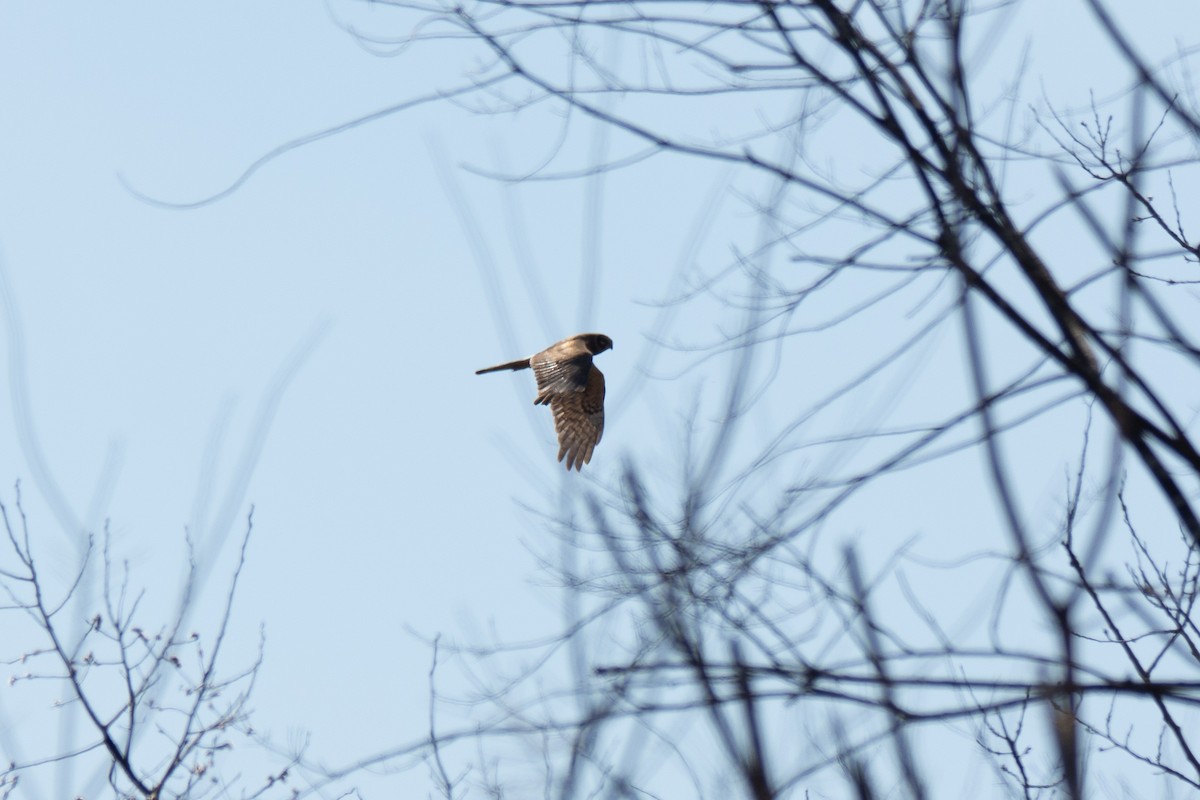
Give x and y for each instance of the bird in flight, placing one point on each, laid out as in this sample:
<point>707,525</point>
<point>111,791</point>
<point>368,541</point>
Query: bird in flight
<point>570,384</point>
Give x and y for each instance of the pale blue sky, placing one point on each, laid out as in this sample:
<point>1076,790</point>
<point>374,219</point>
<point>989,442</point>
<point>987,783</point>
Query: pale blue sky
<point>389,483</point>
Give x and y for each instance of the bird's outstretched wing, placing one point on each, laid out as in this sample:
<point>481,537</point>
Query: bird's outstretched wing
<point>579,420</point>
<point>561,369</point>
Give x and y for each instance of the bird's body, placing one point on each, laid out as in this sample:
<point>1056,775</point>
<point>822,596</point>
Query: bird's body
<point>571,385</point>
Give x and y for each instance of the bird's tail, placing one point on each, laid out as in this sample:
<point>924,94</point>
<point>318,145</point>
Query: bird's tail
<point>522,363</point>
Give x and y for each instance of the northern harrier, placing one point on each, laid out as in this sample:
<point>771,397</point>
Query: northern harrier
<point>568,382</point>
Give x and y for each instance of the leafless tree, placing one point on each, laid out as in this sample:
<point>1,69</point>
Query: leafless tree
<point>148,707</point>
<point>727,634</point>
<point>771,622</point>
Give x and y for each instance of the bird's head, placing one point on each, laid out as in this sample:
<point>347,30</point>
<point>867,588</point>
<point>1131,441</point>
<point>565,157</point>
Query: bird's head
<point>596,342</point>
